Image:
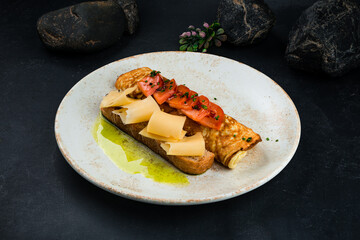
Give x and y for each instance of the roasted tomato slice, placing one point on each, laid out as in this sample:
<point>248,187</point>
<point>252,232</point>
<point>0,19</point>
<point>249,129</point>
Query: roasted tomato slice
<point>148,85</point>
<point>184,98</point>
<point>166,91</point>
<point>215,118</point>
<point>199,110</point>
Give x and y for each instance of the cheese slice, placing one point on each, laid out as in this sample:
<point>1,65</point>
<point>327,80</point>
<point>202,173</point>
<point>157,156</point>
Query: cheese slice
<point>188,146</point>
<point>138,111</point>
<point>166,125</point>
<point>145,133</point>
<point>122,113</point>
<point>117,99</point>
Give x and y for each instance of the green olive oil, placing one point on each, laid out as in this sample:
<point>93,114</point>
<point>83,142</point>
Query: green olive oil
<point>133,157</point>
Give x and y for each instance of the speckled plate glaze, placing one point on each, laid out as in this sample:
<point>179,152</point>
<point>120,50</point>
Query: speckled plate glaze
<point>243,92</point>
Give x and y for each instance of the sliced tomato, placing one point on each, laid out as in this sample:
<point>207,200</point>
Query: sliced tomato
<point>148,85</point>
<point>164,93</point>
<point>178,98</point>
<point>199,110</point>
<point>184,98</point>
<point>203,102</point>
<point>215,118</point>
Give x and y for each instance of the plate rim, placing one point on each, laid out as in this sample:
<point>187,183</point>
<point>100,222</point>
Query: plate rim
<point>176,202</point>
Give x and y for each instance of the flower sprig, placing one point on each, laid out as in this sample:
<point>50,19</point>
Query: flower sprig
<point>196,39</point>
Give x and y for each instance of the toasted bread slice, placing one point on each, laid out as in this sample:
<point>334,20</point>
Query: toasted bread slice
<point>187,164</point>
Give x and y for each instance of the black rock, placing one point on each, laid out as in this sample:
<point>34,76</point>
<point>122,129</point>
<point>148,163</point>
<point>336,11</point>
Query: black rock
<point>245,21</point>
<point>326,38</point>
<point>87,26</point>
<point>131,13</point>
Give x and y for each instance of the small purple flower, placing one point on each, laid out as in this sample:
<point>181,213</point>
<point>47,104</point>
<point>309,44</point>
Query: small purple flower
<point>202,34</point>
<point>188,34</point>
<point>183,35</point>
<point>191,27</point>
<point>193,33</point>
<point>206,25</point>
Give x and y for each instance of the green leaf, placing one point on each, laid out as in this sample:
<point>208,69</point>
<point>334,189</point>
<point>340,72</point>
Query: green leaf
<point>220,31</point>
<point>216,24</point>
<point>182,41</point>
<point>222,37</point>
<point>217,43</point>
<point>213,34</point>
<point>190,49</point>
<point>183,47</point>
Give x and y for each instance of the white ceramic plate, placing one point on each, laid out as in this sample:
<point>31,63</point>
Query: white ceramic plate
<point>243,92</point>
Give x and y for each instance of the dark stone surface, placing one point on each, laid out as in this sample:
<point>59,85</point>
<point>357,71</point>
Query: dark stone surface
<point>41,197</point>
<point>245,21</point>
<point>326,38</point>
<point>131,13</point>
<point>87,26</point>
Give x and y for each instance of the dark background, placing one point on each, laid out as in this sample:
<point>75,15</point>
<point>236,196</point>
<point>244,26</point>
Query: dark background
<point>41,197</point>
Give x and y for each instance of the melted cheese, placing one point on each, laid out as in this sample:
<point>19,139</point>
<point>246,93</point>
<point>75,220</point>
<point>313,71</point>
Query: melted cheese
<point>166,125</point>
<point>145,133</point>
<point>188,146</point>
<point>138,111</point>
<point>117,99</point>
